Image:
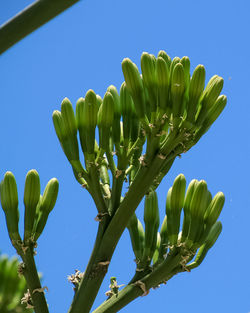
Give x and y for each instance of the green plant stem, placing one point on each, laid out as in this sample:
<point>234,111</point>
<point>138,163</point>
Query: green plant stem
<point>137,145</point>
<point>118,182</point>
<point>33,281</point>
<point>88,289</point>
<point>134,290</point>
<point>111,163</point>
<point>28,20</point>
<point>95,190</point>
<point>89,275</point>
<point>114,304</point>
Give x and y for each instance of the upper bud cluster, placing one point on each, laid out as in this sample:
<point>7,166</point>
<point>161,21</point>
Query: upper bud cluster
<point>167,87</point>
<point>165,103</point>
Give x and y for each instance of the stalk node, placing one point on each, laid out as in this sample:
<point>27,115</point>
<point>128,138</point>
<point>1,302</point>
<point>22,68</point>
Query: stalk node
<point>141,285</point>
<point>99,216</point>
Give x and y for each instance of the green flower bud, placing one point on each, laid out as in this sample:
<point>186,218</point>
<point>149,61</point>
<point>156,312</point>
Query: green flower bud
<point>67,139</point>
<point>59,125</point>
<point>47,204</point>
<point>135,86</point>
<point>69,120</point>
<point>89,119</point>
<point>168,202</point>
<point>50,195</point>
<point>162,77</point>
<point>211,117</point>
<point>136,233</point>
<point>90,110</point>
<point>151,220</point>
<point>177,92</point>
<point>105,119</point>
<point>210,95</point>
<point>9,202</point>
<point>176,205</point>
<point>80,123</point>
<point>157,249</point>
<point>106,111</point>
<point>212,91</point>
<point>198,206</point>
<point>167,59</point>
<point>30,199</point>
<point>151,211</point>
<point>214,209</point>
<point>148,63</point>
<point>212,213</point>
<point>178,193</point>
<point>196,88</point>
<point>163,231</point>
<point>187,215</point>
<point>172,65</point>
<point>213,235</point>
<point>68,117</point>
<point>199,200</point>
<point>186,66</point>
<point>98,101</point>
<point>126,110</point>
<point>116,132</point>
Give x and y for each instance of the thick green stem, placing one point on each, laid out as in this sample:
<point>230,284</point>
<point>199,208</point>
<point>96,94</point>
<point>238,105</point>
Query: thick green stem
<point>140,287</point>
<point>33,281</point>
<point>83,300</point>
<point>31,18</point>
<point>91,270</point>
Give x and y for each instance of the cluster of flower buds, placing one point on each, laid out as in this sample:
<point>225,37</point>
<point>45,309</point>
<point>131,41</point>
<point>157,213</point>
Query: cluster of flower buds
<point>200,227</point>
<point>37,206</point>
<point>12,287</point>
<point>144,242</point>
<point>164,106</point>
<point>165,89</point>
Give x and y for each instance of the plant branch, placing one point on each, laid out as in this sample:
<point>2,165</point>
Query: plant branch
<point>28,20</point>
<point>118,180</point>
<point>91,270</point>
<point>141,287</point>
<point>30,273</point>
<point>111,163</point>
<point>96,192</point>
<point>82,302</point>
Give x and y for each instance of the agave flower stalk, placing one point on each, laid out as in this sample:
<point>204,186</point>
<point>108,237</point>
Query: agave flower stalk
<point>157,115</point>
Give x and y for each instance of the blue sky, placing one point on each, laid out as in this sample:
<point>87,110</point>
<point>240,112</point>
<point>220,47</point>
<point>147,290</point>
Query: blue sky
<point>82,49</point>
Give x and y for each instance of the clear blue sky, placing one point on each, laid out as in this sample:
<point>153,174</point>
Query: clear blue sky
<point>82,49</point>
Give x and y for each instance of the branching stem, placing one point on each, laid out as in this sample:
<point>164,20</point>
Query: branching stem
<point>142,286</point>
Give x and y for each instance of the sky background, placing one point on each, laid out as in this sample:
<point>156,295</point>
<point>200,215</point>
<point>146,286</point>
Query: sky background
<point>82,49</point>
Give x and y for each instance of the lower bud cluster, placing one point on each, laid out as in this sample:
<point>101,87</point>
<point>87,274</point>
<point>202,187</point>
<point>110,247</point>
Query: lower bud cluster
<point>200,228</point>
<point>37,206</point>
